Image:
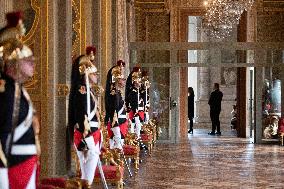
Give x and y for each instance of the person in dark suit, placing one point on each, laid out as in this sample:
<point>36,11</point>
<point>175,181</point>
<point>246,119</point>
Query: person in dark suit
<point>215,109</point>
<point>190,104</point>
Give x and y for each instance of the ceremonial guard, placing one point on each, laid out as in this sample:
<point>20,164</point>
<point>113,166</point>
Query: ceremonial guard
<point>84,116</point>
<point>117,124</point>
<point>109,86</point>
<point>19,127</point>
<point>129,83</point>
<point>145,85</point>
<point>135,104</point>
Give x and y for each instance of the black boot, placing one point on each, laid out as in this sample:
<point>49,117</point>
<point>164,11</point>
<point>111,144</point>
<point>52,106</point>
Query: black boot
<point>190,131</point>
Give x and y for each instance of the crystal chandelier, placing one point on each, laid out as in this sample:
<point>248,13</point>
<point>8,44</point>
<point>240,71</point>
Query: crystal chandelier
<point>222,16</point>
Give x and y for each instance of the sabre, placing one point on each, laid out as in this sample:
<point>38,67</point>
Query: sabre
<point>127,166</point>
<point>102,174</point>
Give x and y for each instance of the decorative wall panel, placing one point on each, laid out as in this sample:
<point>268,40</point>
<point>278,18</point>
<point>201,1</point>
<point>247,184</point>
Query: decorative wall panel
<point>78,28</point>
<point>35,85</point>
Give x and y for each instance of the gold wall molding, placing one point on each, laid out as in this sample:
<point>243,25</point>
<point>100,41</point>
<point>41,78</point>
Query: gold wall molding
<point>36,7</point>
<point>78,27</point>
<point>29,39</point>
<point>182,4</point>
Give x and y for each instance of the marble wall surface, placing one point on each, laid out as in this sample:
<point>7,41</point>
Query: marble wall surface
<point>6,6</point>
<point>153,25</point>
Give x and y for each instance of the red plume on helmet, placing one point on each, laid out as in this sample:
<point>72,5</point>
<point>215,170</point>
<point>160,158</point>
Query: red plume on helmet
<point>13,18</point>
<point>120,63</point>
<point>89,49</point>
<point>137,68</point>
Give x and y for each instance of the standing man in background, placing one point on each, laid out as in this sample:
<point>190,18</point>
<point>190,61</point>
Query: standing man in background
<point>215,109</point>
<point>190,103</point>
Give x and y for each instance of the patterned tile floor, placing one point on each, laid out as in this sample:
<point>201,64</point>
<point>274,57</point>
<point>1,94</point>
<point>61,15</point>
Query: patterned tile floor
<point>204,161</point>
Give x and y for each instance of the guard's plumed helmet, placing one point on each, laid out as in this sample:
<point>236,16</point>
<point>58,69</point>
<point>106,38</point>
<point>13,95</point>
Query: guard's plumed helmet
<point>136,77</point>
<point>11,46</point>
<point>90,49</point>
<point>86,66</point>
<point>116,74</point>
<point>13,18</point>
<point>120,63</point>
<point>144,75</point>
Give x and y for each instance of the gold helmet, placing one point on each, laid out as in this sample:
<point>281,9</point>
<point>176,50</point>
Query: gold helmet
<point>11,46</point>
<point>116,74</point>
<point>136,77</point>
<point>145,79</point>
<point>86,66</point>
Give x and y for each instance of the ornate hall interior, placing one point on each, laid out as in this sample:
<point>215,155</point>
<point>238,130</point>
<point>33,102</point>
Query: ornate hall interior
<point>180,43</point>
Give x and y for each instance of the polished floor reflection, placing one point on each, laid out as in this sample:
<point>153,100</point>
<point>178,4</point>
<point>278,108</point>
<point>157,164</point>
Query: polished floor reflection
<point>204,161</point>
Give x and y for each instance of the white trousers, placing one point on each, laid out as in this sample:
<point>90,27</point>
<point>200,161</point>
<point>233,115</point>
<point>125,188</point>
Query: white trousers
<point>132,127</point>
<point>116,142</point>
<point>4,179</point>
<point>138,126</point>
<point>89,162</point>
<point>147,117</point>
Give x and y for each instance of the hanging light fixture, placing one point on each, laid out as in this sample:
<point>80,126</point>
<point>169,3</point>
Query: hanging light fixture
<point>222,16</point>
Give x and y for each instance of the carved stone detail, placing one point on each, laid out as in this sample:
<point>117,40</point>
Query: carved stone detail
<point>62,90</point>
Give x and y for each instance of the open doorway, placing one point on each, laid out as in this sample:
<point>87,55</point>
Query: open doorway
<point>202,79</point>
<point>193,32</point>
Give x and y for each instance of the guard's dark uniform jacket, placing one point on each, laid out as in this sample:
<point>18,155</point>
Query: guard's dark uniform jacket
<point>81,112</point>
<point>146,98</point>
<point>109,86</point>
<point>23,146</point>
<point>116,104</point>
<point>128,87</point>
<point>135,106</point>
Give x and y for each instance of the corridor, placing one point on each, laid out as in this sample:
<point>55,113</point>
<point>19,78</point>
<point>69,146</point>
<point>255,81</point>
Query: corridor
<point>205,161</point>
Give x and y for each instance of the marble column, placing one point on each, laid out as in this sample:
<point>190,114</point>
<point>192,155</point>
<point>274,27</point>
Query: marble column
<point>122,38</point>
<point>131,21</point>
<point>203,86</point>
<point>59,71</point>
